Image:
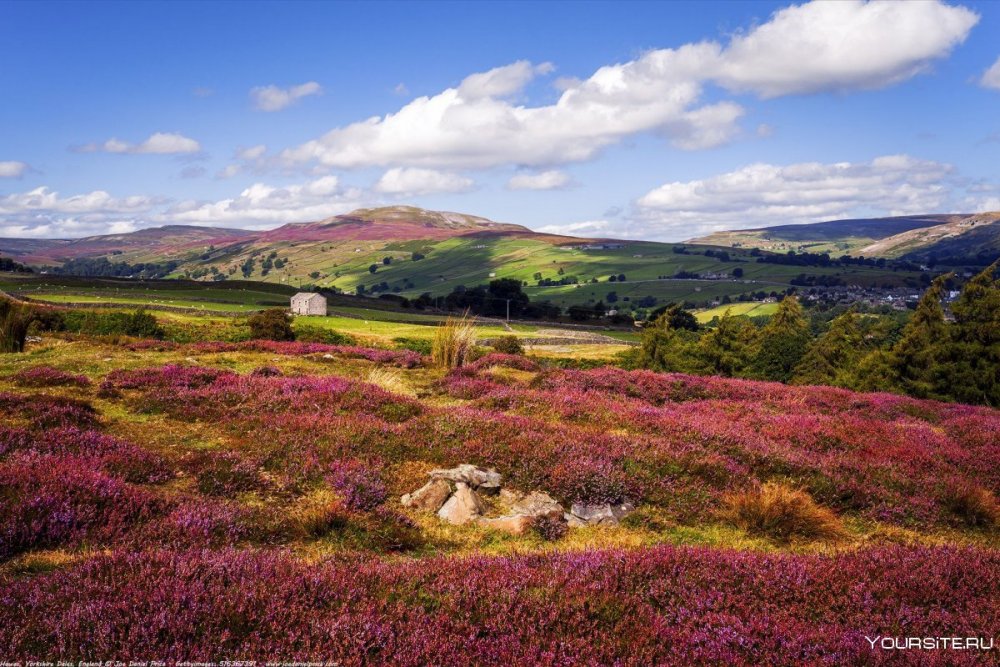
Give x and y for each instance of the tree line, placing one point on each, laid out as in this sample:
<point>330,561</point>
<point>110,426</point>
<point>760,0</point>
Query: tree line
<point>934,355</point>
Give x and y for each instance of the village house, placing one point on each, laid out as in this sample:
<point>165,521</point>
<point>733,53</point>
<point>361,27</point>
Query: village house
<point>309,303</point>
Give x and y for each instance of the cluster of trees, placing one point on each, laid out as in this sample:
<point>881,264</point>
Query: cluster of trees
<point>101,267</point>
<point>931,356</point>
<point>7,264</point>
<point>17,319</point>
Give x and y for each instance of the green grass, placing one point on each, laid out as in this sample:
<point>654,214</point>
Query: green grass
<point>148,301</point>
<point>752,309</point>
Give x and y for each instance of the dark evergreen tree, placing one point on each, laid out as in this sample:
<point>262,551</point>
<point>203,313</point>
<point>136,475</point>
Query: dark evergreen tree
<point>971,357</point>
<point>915,361</point>
<point>730,347</point>
<point>783,342</point>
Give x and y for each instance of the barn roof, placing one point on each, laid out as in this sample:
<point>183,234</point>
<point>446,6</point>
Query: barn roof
<point>308,295</point>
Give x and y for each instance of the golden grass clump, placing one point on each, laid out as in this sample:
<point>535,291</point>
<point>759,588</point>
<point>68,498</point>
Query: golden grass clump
<point>454,342</point>
<point>315,515</point>
<point>782,513</point>
<point>971,504</point>
<point>390,380</point>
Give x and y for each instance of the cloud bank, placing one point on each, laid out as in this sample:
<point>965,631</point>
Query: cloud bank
<point>159,143</point>
<point>811,48</point>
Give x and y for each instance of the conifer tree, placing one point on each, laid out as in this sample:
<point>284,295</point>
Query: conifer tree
<point>971,358</point>
<point>915,361</point>
<point>728,348</point>
<point>783,342</point>
<point>668,349</point>
<point>831,358</point>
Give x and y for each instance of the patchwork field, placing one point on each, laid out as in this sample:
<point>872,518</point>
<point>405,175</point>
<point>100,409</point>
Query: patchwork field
<point>241,500</point>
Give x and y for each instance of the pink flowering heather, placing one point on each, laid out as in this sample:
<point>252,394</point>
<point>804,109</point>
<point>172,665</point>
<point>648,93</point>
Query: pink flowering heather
<point>51,500</point>
<point>44,411</point>
<point>655,606</point>
<point>114,456</point>
<point>358,484</point>
<point>46,376</point>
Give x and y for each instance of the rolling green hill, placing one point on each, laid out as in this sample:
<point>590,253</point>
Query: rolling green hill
<point>410,251</point>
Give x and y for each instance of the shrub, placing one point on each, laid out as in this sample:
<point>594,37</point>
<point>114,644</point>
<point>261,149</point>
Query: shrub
<point>308,334</point>
<point>266,372</point>
<point>782,513</point>
<point>360,487</point>
<point>550,528</point>
<point>15,319</point>
<point>418,345</point>
<point>971,504</point>
<point>508,345</point>
<point>46,411</point>
<point>226,473</point>
<point>271,324</point>
<point>46,376</point>
<point>453,342</point>
<point>138,323</point>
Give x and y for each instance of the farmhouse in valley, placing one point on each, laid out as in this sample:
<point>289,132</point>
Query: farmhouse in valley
<point>309,303</point>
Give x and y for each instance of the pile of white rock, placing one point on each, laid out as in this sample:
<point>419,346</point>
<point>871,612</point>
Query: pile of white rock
<point>455,494</point>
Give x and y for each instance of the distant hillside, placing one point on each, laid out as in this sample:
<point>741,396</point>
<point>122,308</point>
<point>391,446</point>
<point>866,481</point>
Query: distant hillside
<point>166,242</point>
<point>409,251</point>
<point>911,237</point>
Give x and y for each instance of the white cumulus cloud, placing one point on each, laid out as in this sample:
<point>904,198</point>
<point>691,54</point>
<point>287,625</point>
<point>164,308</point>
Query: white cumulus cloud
<point>273,98</point>
<point>159,143</point>
<point>44,213</point>
<point>586,228</point>
<point>765,194</point>
<point>263,206</point>
<point>820,46</point>
<point>553,179</point>
<point>843,45</point>
<point>13,169</point>
<point>412,181</point>
<point>991,77</point>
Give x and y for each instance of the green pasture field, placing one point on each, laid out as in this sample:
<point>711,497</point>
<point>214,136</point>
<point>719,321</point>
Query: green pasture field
<point>751,309</point>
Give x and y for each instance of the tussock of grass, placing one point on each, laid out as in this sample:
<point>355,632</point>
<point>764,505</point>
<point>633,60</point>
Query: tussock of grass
<point>782,513</point>
<point>390,380</point>
<point>972,505</point>
<point>454,342</point>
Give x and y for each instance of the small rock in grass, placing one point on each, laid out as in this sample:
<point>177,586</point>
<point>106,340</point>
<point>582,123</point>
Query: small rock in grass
<point>606,513</point>
<point>516,524</point>
<point>510,496</point>
<point>429,497</point>
<point>478,478</point>
<point>538,503</point>
<point>463,506</point>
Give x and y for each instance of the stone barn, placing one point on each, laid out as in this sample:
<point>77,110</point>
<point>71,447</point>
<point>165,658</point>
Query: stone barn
<point>308,303</point>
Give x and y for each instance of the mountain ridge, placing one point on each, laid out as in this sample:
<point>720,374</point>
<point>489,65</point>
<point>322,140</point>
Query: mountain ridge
<point>916,237</point>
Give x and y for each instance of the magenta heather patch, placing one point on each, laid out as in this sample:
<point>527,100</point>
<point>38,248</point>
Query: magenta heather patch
<point>661,605</point>
<point>46,376</point>
<point>359,485</point>
<point>50,500</point>
<point>44,411</point>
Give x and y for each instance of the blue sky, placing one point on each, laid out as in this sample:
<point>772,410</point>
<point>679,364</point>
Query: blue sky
<point>644,120</point>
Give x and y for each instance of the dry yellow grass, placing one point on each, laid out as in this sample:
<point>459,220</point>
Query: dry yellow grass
<point>783,513</point>
<point>454,341</point>
<point>390,380</point>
